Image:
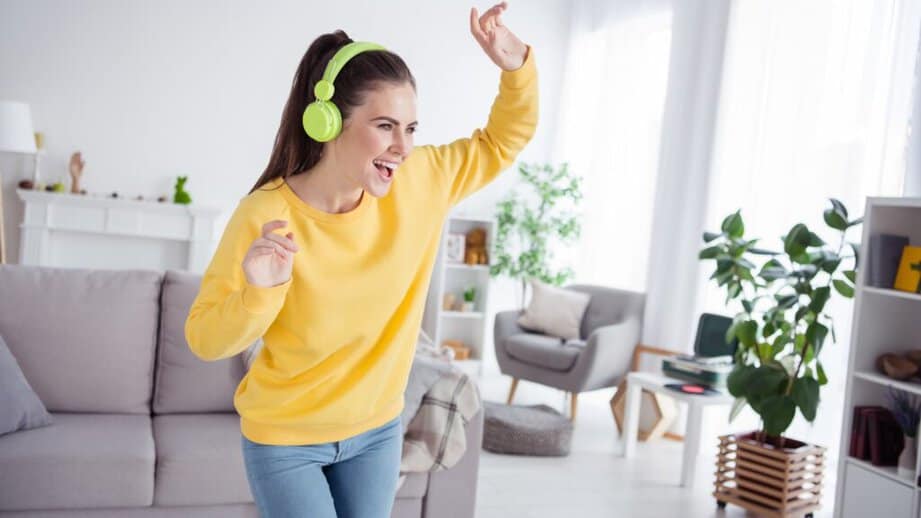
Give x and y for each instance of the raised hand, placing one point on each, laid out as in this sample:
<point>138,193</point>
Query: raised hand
<point>499,43</point>
<point>270,258</point>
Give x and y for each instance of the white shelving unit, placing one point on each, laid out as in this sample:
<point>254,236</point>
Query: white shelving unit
<point>452,277</point>
<point>885,320</point>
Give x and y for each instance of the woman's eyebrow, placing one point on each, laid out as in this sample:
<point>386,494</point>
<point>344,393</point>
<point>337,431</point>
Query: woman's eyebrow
<point>392,121</point>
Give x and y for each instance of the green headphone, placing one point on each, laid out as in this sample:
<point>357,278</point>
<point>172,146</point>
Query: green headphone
<point>322,120</point>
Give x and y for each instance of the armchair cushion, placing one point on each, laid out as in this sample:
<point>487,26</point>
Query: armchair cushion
<point>555,311</point>
<point>544,351</point>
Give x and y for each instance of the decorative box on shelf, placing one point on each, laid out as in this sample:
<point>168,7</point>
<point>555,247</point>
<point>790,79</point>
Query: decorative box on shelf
<point>84,231</point>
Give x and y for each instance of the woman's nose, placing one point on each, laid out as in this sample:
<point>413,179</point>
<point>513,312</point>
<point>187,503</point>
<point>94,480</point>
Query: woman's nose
<point>400,144</point>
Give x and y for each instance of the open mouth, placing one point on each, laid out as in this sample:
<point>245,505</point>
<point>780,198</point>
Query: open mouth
<point>385,168</point>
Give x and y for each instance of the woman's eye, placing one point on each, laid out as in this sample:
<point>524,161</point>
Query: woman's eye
<point>412,130</point>
<point>385,126</point>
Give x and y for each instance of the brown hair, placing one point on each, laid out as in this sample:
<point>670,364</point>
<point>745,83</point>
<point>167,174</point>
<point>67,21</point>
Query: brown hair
<point>295,152</point>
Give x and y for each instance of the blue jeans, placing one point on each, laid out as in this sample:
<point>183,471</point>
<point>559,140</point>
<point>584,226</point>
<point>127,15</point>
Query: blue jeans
<point>353,478</point>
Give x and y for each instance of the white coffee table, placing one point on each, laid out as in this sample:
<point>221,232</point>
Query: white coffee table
<point>636,383</point>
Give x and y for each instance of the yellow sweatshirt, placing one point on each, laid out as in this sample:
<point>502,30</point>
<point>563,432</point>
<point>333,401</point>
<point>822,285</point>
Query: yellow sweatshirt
<point>340,335</point>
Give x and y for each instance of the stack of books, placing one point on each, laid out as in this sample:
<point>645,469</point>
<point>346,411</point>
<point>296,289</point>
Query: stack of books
<point>876,436</point>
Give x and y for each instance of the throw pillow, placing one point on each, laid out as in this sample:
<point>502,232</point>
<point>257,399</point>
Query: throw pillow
<point>20,407</point>
<point>554,311</point>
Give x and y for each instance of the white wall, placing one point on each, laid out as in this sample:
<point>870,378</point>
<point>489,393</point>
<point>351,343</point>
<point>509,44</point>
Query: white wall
<point>152,90</point>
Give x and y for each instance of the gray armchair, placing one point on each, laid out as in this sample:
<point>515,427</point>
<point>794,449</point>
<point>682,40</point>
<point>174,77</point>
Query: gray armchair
<point>600,358</point>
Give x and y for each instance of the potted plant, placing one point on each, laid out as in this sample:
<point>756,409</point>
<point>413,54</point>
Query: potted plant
<point>782,328</point>
<point>531,220</point>
<point>469,298</point>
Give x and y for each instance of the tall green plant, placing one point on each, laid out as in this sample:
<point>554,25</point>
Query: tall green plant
<point>783,326</point>
<point>531,219</point>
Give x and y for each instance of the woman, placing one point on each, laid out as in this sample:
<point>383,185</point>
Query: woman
<point>328,259</point>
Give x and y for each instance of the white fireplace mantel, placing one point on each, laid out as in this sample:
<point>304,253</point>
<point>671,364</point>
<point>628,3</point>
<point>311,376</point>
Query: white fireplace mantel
<point>71,230</point>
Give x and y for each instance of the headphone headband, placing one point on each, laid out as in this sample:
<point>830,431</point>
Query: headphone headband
<point>324,89</point>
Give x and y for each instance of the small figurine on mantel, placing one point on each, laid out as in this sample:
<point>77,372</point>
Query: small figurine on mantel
<point>181,196</point>
<point>76,172</point>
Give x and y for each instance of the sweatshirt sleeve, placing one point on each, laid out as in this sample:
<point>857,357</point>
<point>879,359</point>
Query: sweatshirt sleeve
<point>469,164</point>
<point>229,314</point>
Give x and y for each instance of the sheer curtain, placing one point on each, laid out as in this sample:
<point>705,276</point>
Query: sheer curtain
<point>815,103</point>
<point>609,131</point>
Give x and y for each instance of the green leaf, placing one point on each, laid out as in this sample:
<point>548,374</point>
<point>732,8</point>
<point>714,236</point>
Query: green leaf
<point>711,252</point>
<point>819,297</point>
<point>835,220</point>
<point>856,248</point>
<point>815,334</point>
<point>737,382</point>
<point>796,240</point>
<point>765,352</point>
<point>737,407</point>
<point>843,288</point>
<point>766,381</point>
<point>786,301</point>
<point>710,236</point>
<point>806,396</point>
<point>777,412</point>
<point>838,207</point>
<point>856,222</point>
<point>733,225</point>
<point>820,373</point>
<point>747,332</point>
<point>851,276</point>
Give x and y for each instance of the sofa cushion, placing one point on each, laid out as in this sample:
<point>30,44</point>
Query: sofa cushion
<point>81,461</point>
<point>84,339</point>
<point>184,382</point>
<point>199,460</point>
<point>545,351</point>
<point>20,408</point>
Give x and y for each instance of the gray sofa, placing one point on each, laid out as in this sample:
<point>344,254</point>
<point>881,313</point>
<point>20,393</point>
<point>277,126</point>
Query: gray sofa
<point>141,426</point>
<point>599,358</point>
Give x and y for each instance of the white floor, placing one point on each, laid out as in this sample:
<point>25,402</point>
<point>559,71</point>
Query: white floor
<point>594,480</point>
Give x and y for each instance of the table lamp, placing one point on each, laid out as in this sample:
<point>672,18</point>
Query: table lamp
<point>16,136</point>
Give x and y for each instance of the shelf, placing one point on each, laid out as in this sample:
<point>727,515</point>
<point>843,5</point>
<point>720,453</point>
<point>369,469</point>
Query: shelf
<point>890,472</point>
<point>914,388</point>
<point>463,314</point>
<point>887,292</point>
<point>473,268</point>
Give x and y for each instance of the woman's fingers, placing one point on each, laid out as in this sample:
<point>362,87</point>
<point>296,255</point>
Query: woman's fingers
<point>269,248</point>
<point>273,225</point>
<point>284,241</point>
<point>475,27</point>
<point>488,20</point>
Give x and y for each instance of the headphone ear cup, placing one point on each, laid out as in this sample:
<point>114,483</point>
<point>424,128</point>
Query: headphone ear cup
<point>322,121</point>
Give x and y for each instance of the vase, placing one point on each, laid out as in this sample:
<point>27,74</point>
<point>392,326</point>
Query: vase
<point>907,458</point>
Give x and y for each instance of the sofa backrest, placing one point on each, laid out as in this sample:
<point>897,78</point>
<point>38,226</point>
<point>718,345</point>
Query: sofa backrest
<point>185,383</point>
<point>609,306</point>
<point>85,339</point>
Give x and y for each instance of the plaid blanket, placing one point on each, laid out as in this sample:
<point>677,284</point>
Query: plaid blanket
<point>440,401</point>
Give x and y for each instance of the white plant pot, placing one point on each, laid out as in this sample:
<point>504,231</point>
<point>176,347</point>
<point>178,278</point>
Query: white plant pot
<point>908,458</point>
<point>467,306</point>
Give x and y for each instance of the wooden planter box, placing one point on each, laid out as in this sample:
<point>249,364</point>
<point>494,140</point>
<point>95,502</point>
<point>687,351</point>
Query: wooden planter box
<point>769,480</point>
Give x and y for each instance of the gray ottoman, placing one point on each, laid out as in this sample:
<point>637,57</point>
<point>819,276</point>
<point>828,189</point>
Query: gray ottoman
<point>525,430</point>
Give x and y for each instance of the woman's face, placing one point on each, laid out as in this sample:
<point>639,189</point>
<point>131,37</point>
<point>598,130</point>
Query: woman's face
<point>377,137</point>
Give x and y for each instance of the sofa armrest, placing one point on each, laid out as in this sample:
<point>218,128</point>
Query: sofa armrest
<point>608,353</point>
<point>451,493</point>
<point>506,325</point>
